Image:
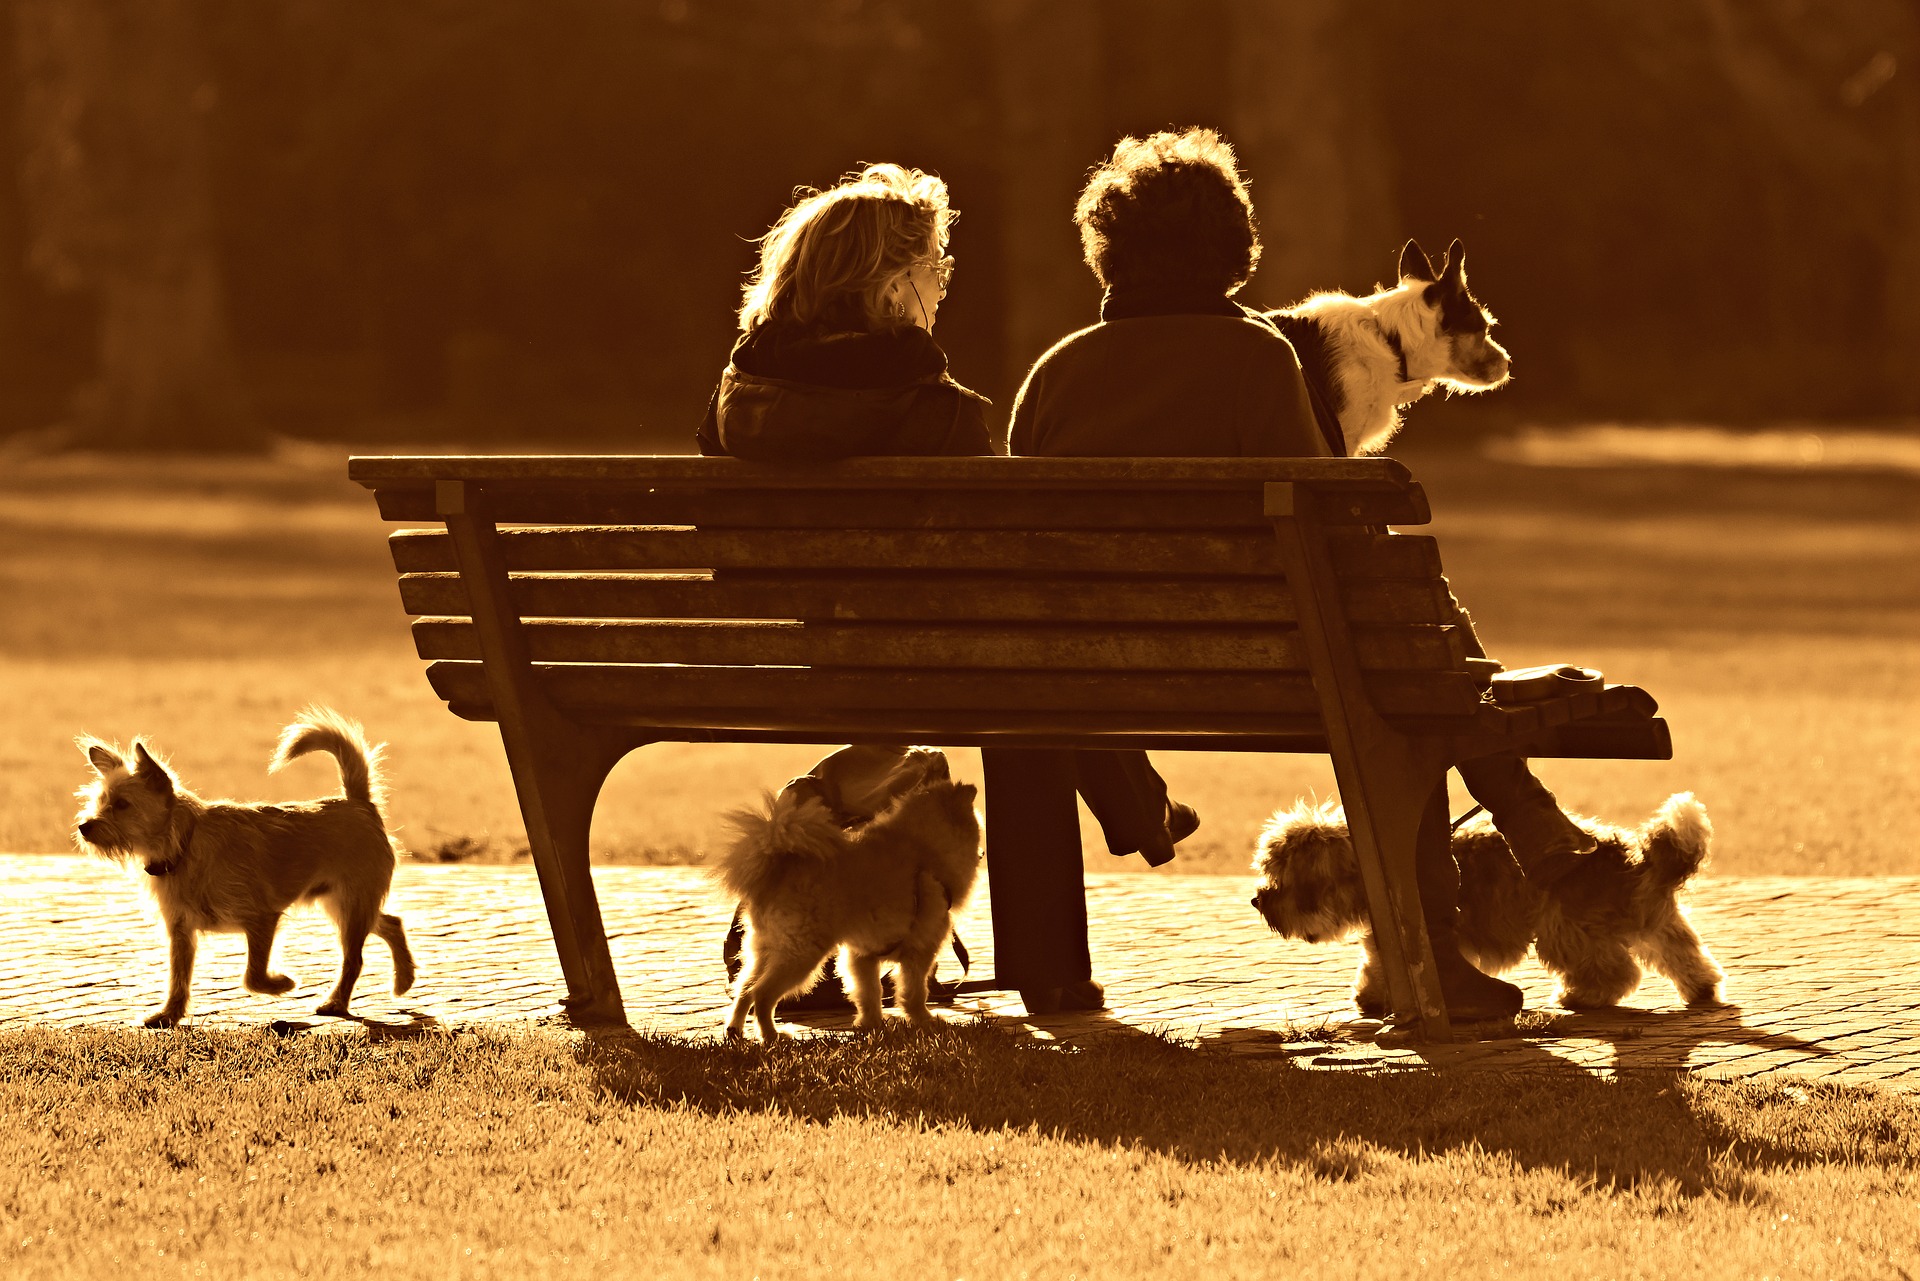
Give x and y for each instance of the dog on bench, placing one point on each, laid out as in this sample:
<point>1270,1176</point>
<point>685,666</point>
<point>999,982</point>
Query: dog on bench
<point>1593,930</point>
<point>225,866</point>
<point>1365,359</point>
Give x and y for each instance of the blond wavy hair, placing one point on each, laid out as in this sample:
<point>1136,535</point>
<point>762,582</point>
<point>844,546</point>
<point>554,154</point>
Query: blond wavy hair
<point>831,258</point>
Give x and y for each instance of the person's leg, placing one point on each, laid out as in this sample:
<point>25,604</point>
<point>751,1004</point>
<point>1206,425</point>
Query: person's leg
<point>1545,842</point>
<point>1034,881</point>
<point>1129,798</point>
<point>1472,995</point>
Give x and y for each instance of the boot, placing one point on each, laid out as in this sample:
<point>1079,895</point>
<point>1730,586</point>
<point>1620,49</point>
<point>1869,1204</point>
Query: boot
<point>1545,842</point>
<point>1087,994</point>
<point>1472,996</point>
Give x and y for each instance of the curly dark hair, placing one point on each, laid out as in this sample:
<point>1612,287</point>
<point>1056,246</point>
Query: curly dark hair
<point>1169,209</point>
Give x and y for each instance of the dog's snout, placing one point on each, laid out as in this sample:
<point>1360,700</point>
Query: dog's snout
<point>89,830</point>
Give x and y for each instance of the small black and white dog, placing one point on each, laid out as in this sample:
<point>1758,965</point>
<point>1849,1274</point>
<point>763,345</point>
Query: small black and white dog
<point>1364,358</point>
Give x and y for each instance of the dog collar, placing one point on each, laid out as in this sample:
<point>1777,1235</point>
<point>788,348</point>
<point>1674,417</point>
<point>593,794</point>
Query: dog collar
<point>1410,389</point>
<point>1398,349</point>
<point>161,867</point>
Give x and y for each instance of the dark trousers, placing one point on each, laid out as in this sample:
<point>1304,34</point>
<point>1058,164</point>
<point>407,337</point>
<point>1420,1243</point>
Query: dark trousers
<point>1521,807</point>
<point>1038,895</point>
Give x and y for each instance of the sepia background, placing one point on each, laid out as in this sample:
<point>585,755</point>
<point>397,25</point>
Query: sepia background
<point>239,240</point>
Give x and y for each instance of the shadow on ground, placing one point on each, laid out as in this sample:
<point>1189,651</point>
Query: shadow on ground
<point>1644,1129</point>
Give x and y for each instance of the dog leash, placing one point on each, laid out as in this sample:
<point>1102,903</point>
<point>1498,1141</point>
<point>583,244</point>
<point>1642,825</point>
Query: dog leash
<point>1478,809</point>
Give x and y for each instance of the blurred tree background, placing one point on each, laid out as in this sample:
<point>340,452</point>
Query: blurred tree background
<point>502,220</point>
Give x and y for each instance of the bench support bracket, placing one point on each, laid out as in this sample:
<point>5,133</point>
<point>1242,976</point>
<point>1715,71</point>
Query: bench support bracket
<point>558,765</point>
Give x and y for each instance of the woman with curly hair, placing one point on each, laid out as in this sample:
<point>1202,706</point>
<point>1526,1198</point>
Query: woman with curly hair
<point>836,355</point>
<point>1177,369</point>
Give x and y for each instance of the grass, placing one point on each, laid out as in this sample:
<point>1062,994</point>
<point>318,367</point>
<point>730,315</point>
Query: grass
<point>968,1153</point>
<point>203,603</point>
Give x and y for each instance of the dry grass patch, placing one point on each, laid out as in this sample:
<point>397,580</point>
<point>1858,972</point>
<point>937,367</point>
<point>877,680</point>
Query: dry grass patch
<point>967,1153</point>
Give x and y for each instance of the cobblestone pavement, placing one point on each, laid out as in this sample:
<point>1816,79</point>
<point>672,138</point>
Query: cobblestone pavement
<point>1825,972</point>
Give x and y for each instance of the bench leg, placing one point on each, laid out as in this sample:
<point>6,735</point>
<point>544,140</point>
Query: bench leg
<point>1388,780</point>
<point>558,765</point>
<point>557,784</point>
<point>1394,830</point>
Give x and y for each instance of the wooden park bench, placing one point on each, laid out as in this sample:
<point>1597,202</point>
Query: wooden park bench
<point>591,605</point>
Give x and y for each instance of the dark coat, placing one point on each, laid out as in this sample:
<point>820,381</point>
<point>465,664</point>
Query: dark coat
<point>796,396</point>
<point>1169,376</point>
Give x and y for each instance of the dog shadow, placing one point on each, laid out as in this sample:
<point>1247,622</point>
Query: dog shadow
<point>409,1025</point>
<point>1664,1042</point>
<point>1648,1043</point>
<point>1652,1043</point>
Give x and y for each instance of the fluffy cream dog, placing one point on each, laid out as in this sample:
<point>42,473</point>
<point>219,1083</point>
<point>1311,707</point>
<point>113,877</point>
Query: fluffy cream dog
<point>883,891</point>
<point>231,867</point>
<point>1593,929</point>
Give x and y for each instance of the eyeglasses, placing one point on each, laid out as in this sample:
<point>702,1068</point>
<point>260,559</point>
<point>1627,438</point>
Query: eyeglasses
<point>942,269</point>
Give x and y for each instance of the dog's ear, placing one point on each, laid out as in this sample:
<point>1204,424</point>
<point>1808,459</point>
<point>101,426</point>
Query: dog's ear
<point>1414,264</point>
<point>1454,272</point>
<point>149,770</point>
<point>100,756</point>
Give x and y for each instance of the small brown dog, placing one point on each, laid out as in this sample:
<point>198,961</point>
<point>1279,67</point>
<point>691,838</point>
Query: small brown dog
<point>882,891</point>
<point>231,867</point>
<point>1593,930</point>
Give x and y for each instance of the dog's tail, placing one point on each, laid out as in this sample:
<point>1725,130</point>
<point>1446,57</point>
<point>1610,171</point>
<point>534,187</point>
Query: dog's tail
<point>791,825</point>
<point>321,729</point>
<point>1677,842</point>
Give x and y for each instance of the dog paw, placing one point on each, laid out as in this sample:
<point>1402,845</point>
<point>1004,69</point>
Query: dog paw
<point>162,1018</point>
<point>335,1009</point>
<point>272,984</point>
<point>736,1033</point>
<point>403,981</point>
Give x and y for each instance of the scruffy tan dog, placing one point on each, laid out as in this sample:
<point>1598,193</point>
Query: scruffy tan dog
<point>1593,929</point>
<point>231,867</point>
<point>882,891</point>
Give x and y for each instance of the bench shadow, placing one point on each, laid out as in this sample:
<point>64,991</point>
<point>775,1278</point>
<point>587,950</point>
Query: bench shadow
<point>1121,1085</point>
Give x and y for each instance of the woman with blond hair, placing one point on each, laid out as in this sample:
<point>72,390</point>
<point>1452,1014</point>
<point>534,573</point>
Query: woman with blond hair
<point>836,355</point>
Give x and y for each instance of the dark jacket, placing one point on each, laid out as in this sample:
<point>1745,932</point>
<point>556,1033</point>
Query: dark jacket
<point>1166,376</point>
<point>796,396</point>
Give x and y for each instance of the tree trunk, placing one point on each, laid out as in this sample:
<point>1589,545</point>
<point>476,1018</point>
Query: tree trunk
<point>115,179</point>
<point>1048,67</point>
<point>1903,285</point>
<point>1311,141</point>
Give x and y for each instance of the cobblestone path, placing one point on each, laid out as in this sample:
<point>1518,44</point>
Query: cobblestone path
<point>1824,973</point>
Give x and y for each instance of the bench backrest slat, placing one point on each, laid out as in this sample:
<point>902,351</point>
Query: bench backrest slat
<point>938,509</point>
<point>1036,647</point>
<point>600,690</point>
<point>884,597</point>
<point>1251,552</point>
